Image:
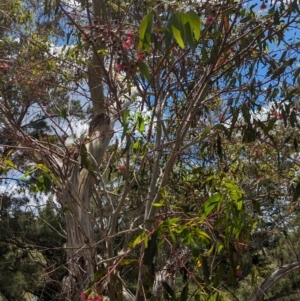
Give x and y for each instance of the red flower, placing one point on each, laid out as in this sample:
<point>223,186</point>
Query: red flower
<point>263,6</point>
<point>122,168</point>
<point>83,296</point>
<point>119,67</point>
<point>209,20</point>
<point>4,67</point>
<point>129,40</point>
<point>130,36</point>
<point>126,44</point>
<point>141,56</point>
<point>85,36</point>
<point>277,115</point>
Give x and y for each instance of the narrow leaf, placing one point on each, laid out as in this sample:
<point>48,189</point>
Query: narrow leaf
<point>195,24</point>
<point>168,289</point>
<point>210,204</point>
<point>177,35</point>
<point>184,293</point>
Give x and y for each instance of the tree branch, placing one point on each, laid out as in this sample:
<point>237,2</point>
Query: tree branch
<point>274,278</point>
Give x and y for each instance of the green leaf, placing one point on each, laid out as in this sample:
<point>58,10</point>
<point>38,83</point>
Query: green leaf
<point>144,70</point>
<point>239,205</point>
<point>136,146</point>
<point>146,240</point>
<point>233,187</point>
<point>141,123</point>
<point>198,170</point>
<point>246,113</point>
<point>168,37</point>
<point>151,250</point>
<point>204,133</point>
<point>214,54</point>
<point>202,234</point>
<point>278,72</point>
<point>246,19</point>
<point>296,193</point>
<point>219,274</point>
<point>125,262</point>
<point>145,32</point>
<point>294,6</point>
<point>195,24</point>
<point>295,144</point>
<point>47,182</point>
<point>158,204</point>
<point>98,275</point>
<point>256,206</point>
<point>189,36</point>
<point>171,221</point>
<point>138,240</point>
<point>296,74</point>
<point>205,269</point>
<point>276,18</point>
<point>85,161</point>
<point>125,124</point>
<point>184,293</point>
<point>168,289</point>
<point>63,113</point>
<point>210,204</point>
<point>9,163</point>
<point>177,35</point>
<point>293,119</point>
<point>197,297</point>
<point>204,54</point>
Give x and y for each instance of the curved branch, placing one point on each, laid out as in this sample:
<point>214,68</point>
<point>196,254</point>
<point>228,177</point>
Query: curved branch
<point>283,295</point>
<point>274,278</point>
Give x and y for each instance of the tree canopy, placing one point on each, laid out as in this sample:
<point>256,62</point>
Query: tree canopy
<point>163,138</point>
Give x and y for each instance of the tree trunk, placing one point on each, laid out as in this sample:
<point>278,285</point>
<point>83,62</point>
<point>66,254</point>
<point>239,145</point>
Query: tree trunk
<point>81,254</point>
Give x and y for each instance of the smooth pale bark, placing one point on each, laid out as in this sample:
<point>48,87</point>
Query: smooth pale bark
<point>81,254</point>
<point>279,273</point>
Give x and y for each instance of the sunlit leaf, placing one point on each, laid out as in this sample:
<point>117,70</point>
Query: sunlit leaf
<point>145,32</point>
<point>195,24</point>
<point>210,204</point>
<point>177,35</point>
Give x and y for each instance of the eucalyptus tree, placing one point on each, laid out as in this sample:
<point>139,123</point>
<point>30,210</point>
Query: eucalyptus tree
<point>168,86</point>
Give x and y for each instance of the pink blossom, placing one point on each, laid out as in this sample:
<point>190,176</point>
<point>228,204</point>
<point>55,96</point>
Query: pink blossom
<point>277,115</point>
<point>119,67</point>
<point>209,20</point>
<point>130,36</point>
<point>4,67</point>
<point>84,36</point>
<point>126,44</point>
<point>83,296</point>
<point>263,6</point>
<point>122,168</point>
<point>141,56</point>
